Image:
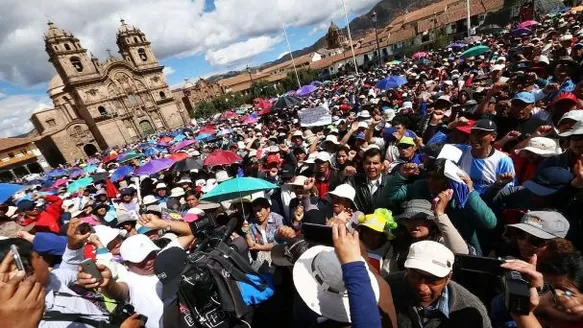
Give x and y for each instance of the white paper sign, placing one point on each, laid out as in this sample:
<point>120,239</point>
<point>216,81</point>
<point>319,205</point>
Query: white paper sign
<point>318,116</point>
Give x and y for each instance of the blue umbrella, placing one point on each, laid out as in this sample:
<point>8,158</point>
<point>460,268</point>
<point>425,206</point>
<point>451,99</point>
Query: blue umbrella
<point>236,188</point>
<point>153,151</point>
<point>76,172</point>
<point>56,173</point>
<point>306,90</point>
<point>391,82</point>
<point>179,138</point>
<point>520,32</point>
<point>203,137</point>
<point>457,45</point>
<point>7,190</point>
<point>90,168</point>
<point>121,172</point>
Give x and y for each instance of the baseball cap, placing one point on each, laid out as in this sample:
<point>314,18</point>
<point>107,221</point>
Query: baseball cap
<point>161,185</point>
<point>548,181</point>
<point>575,115</point>
<point>498,67</point>
<point>323,156</point>
<point>168,267</point>
<point>431,257</point>
<point>149,200</point>
<point>444,98</point>
<point>543,224</point>
<point>541,146</point>
<point>379,221</point>
<point>485,125</point>
<point>525,97</point>
<point>106,234</point>
<point>407,141</point>
<point>565,96</point>
<point>467,129</point>
<point>136,248</point>
<point>360,135</point>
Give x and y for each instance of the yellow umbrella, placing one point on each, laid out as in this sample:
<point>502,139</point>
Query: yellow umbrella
<point>576,9</point>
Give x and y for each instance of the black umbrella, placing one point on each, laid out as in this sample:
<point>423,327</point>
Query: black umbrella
<point>100,176</point>
<point>186,165</point>
<point>286,102</point>
<point>489,29</point>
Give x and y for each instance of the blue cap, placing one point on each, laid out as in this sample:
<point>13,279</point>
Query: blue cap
<point>360,135</point>
<point>548,181</point>
<point>525,97</point>
<point>143,230</point>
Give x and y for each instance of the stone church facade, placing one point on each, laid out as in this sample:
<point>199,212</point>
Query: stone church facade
<point>98,105</point>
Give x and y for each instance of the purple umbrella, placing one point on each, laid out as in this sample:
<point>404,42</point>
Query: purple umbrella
<point>154,166</point>
<point>184,144</point>
<point>76,172</point>
<point>520,32</point>
<point>306,90</point>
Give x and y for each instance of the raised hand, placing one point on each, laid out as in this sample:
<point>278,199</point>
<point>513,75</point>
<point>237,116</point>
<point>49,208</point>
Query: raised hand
<point>86,280</point>
<point>409,170</point>
<point>75,239</point>
<point>346,244</point>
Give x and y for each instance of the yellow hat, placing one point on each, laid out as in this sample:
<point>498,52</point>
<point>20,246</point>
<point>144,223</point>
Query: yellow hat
<point>381,221</point>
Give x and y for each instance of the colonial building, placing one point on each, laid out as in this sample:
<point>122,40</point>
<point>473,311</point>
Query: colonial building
<point>20,157</point>
<point>335,38</point>
<point>193,93</point>
<point>98,105</point>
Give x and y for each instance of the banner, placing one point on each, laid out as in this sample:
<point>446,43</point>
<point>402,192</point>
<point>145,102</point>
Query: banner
<point>318,116</point>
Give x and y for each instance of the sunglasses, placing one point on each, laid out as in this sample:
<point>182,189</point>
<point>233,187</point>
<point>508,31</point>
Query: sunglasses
<point>532,240</point>
<point>403,146</point>
<point>418,276</point>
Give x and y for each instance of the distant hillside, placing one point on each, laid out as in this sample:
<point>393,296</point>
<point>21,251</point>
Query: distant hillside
<point>387,10</point>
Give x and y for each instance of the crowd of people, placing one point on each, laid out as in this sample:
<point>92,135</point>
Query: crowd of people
<point>435,177</point>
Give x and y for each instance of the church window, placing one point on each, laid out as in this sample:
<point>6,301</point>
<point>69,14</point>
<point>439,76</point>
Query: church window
<point>142,54</point>
<point>78,129</point>
<point>77,64</point>
<point>135,39</point>
<point>162,95</point>
<point>56,48</point>
<point>102,110</point>
<point>51,122</point>
<point>132,99</point>
<point>67,46</point>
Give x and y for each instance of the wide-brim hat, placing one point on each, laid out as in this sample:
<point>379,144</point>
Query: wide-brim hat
<point>286,255</point>
<point>563,60</point>
<point>318,296</point>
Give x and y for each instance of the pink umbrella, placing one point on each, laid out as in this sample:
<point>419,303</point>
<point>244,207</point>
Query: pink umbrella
<point>184,144</point>
<point>60,182</point>
<point>527,24</point>
<point>419,55</point>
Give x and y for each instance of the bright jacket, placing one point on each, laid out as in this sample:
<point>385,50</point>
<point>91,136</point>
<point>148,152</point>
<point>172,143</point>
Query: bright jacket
<point>48,220</point>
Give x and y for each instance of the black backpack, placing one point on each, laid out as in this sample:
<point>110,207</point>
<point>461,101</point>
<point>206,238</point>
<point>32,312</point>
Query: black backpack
<point>209,295</point>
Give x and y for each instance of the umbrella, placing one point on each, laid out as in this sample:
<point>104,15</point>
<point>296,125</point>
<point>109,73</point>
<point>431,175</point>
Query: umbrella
<point>165,139</point>
<point>253,118</point>
<point>109,158</point>
<point>179,138</point>
<point>287,101</point>
<point>224,132</point>
<point>128,156</point>
<point>577,9</point>
<point>475,51</point>
<point>7,190</point>
<point>122,172</point>
<point>101,176</point>
<point>90,168</point>
<point>153,151</point>
<point>154,166</point>
<point>528,24</point>
<point>76,172</point>
<point>93,161</point>
<point>489,29</point>
<point>316,83</point>
<point>79,184</point>
<point>221,157</point>
<point>306,90</point>
<point>203,137</point>
<point>456,45</point>
<point>419,55</point>
<point>520,32</point>
<point>183,144</point>
<point>395,62</point>
<point>60,182</point>
<point>177,156</point>
<point>236,188</point>
<point>391,82</point>
<point>186,165</point>
<point>57,173</point>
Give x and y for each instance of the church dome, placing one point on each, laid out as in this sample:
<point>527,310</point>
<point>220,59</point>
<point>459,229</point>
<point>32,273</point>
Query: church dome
<point>333,27</point>
<point>56,86</point>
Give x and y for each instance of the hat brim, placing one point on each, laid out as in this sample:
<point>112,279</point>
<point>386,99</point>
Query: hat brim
<point>425,266</point>
<point>538,189</point>
<point>571,132</point>
<point>533,231</point>
<point>278,257</point>
<point>329,305</point>
<point>540,152</point>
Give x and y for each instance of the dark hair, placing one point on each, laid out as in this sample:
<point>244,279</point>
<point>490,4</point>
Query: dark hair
<point>433,149</point>
<point>261,202</point>
<point>372,153</point>
<point>24,249</point>
<point>437,166</point>
<point>189,193</point>
<point>569,265</point>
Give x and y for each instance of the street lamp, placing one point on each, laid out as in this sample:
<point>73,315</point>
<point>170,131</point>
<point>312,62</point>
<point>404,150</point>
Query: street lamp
<point>373,17</point>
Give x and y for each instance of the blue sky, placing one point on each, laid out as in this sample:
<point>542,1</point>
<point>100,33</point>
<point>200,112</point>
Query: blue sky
<point>191,38</point>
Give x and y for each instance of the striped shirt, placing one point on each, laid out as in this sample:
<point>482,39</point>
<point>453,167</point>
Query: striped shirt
<point>483,171</point>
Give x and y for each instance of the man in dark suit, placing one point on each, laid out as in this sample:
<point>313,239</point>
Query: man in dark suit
<point>370,185</point>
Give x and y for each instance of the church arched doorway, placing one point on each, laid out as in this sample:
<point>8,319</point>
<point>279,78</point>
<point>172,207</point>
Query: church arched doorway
<point>35,168</point>
<point>146,127</point>
<point>90,149</point>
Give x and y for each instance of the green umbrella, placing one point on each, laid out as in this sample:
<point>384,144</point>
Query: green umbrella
<point>475,51</point>
<point>128,157</point>
<point>79,184</point>
<point>237,188</point>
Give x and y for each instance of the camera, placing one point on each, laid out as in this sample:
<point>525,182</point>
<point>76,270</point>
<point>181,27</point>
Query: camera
<point>124,311</point>
<point>516,292</point>
<point>203,226</point>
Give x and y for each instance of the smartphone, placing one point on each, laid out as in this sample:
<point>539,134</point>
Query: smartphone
<point>477,264</point>
<point>318,234</point>
<point>17,258</point>
<point>89,266</point>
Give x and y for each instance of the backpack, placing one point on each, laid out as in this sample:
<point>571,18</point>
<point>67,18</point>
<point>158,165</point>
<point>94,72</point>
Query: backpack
<point>209,294</point>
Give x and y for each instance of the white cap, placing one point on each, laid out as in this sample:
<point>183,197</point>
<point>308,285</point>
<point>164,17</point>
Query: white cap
<point>149,200</point>
<point>200,182</point>
<point>311,158</point>
<point>136,248</point>
<point>323,156</point>
<point>177,192</point>
<point>106,234</point>
<point>344,191</point>
<point>210,185</point>
<point>431,257</point>
<point>498,67</point>
<point>222,176</point>
<point>331,138</point>
<point>362,124</point>
<point>298,133</point>
<point>161,185</point>
<point>364,114</point>
<point>252,153</point>
<point>575,115</point>
<point>299,180</point>
<point>544,147</point>
<point>273,149</point>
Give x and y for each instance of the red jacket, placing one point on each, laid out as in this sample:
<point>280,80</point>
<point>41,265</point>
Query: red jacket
<point>48,220</point>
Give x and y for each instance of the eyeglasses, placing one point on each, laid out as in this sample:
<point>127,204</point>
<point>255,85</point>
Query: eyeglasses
<point>532,240</point>
<point>418,276</point>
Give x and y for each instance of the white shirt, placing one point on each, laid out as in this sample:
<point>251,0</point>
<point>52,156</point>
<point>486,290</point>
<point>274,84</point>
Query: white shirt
<point>145,296</point>
<point>373,185</point>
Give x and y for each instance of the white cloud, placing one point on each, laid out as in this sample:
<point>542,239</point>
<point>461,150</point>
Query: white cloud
<point>16,111</point>
<point>282,54</point>
<point>241,51</point>
<point>175,27</point>
<point>319,28</point>
<point>168,70</point>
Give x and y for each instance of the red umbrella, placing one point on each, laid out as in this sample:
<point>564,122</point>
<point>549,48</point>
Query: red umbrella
<point>229,114</point>
<point>178,156</point>
<point>165,139</point>
<point>110,189</point>
<point>207,130</point>
<point>109,158</point>
<point>221,157</point>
